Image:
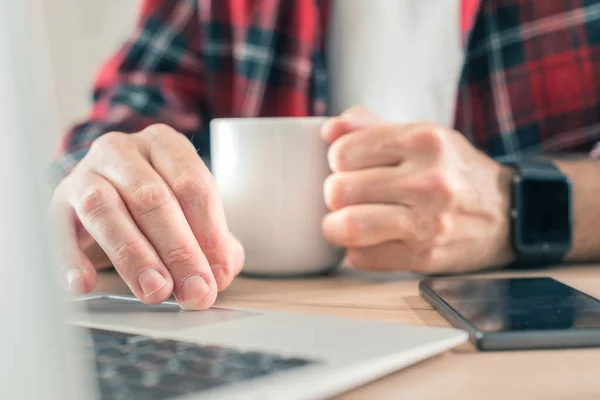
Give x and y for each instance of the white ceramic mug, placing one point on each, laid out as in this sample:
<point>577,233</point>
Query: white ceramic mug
<point>270,174</point>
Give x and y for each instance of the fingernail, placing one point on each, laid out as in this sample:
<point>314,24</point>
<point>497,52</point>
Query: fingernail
<point>73,277</point>
<point>193,289</point>
<point>220,275</point>
<point>150,281</point>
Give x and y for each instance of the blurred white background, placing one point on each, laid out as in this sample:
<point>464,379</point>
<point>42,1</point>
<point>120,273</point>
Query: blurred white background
<point>82,34</point>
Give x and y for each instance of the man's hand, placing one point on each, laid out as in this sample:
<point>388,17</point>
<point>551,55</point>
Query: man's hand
<point>152,207</point>
<point>415,197</point>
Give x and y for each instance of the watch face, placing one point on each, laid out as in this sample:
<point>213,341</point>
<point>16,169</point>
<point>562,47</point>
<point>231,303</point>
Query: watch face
<point>545,212</point>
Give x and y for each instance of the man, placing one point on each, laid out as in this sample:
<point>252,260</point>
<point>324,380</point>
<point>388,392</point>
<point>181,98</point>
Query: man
<point>404,195</point>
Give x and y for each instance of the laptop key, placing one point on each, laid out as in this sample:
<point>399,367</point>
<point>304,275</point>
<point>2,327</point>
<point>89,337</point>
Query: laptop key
<point>182,347</point>
<point>207,352</point>
<point>113,389</point>
<point>253,360</point>
<point>116,351</point>
<point>163,345</point>
<point>289,363</point>
<point>150,393</point>
<point>192,367</point>
<point>233,373</point>
<point>187,383</point>
<point>106,370</point>
<point>132,373</point>
<point>159,358</point>
<point>144,374</point>
<point>132,367</point>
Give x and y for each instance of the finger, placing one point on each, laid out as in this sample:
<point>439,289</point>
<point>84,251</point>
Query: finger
<point>104,215</point>
<point>379,146</point>
<point>77,270</point>
<point>96,255</point>
<point>398,256</point>
<point>90,247</point>
<point>383,185</point>
<point>197,193</point>
<point>368,225</point>
<point>158,215</point>
<point>350,120</point>
<point>388,256</point>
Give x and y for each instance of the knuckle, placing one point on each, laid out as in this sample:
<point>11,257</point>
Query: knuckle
<point>109,141</point>
<point>94,202</point>
<point>157,130</point>
<point>162,138</point>
<point>181,255</point>
<point>193,190</point>
<point>442,224</point>
<point>441,186</point>
<point>150,196</point>
<point>127,253</point>
<point>213,240</point>
<point>431,138</point>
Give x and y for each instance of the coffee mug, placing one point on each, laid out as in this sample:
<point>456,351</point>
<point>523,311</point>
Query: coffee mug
<point>270,174</point>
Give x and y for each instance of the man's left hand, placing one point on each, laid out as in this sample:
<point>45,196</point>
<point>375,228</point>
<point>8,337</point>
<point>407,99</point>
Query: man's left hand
<point>415,197</point>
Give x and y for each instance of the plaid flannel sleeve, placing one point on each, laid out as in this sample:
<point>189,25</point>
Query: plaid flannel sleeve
<point>155,77</point>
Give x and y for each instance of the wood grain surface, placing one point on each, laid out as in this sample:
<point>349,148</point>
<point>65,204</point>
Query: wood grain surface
<point>462,373</point>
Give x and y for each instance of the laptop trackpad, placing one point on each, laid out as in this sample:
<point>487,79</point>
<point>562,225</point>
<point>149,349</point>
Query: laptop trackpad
<point>121,311</point>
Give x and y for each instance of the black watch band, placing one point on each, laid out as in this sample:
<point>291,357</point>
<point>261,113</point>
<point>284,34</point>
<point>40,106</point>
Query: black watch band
<point>537,168</point>
<point>540,213</point>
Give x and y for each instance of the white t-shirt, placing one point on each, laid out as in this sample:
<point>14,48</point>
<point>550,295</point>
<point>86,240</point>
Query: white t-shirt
<point>399,58</point>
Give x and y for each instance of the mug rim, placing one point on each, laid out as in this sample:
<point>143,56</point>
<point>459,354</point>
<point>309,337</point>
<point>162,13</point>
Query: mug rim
<point>268,120</point>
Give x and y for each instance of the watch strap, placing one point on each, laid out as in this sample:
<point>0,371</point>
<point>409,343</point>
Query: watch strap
<point>536,167</point>
<point>529,168</point>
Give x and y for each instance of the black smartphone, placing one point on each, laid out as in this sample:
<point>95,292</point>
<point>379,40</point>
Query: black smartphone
<point>516,313</point>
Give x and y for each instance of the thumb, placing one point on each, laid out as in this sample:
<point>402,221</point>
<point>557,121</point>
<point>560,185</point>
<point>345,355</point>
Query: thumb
<point>353,119</point>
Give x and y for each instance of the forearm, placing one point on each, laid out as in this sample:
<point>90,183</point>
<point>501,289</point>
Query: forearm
<point>131,93</point>
<point>585,181</point>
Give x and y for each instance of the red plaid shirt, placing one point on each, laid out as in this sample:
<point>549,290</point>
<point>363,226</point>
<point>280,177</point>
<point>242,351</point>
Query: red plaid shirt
<point>530,81</point>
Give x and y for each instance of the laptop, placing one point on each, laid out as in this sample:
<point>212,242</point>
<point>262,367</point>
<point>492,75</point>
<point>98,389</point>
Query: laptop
<point>108,346</point>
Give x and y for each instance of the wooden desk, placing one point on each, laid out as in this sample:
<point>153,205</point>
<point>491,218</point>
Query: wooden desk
<point>462,373</point>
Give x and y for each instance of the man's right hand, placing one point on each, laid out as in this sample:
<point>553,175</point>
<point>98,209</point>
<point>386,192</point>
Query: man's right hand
<point>152,206</point>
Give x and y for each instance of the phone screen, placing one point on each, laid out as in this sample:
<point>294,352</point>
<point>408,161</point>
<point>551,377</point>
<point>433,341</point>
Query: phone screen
<point>518,304</point>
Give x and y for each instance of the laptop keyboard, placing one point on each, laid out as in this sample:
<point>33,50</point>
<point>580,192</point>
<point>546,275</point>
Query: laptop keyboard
<point>140,367</point>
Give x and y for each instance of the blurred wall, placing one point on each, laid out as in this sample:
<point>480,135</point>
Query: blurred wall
<point>82,34</point>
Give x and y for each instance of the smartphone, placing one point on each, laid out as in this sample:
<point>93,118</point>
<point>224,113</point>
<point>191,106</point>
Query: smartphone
<point>516,313</point>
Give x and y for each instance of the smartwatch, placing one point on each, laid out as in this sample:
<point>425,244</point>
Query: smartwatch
<point>540,213</point>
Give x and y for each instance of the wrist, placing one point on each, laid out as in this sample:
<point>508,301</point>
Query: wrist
<point>584,247</point>
<point>505,253</point>
<point>539,213</point>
